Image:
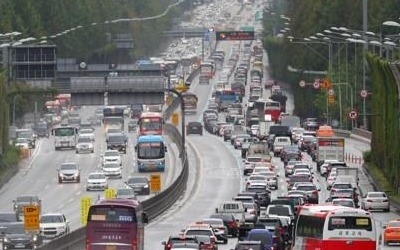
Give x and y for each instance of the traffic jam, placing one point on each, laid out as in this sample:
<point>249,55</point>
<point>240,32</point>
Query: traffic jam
<point>297,190</point>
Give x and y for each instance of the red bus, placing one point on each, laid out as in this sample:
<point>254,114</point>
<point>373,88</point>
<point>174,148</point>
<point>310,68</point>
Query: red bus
<point>151,123</point>
<point>268,107</point>
<point>207,69</point>
<point>329,227</point>
<point>116,224</point>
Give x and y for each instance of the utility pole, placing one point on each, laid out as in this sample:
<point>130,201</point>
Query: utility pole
<point>365,48</point>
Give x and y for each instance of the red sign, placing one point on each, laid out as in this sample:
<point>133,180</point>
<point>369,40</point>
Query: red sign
<point>234,35</point>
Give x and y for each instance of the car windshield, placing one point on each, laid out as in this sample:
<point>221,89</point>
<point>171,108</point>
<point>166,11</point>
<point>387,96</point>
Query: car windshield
<point>198,232</point>
<point>22,140</point>
<point>111,153</point>
<point>111,165</point>
<point>68,166</point>
<point>125,191</point>
<point>51,219</point>
<point>279,210</point>
<point>96,176</point>
<point>345,203</point>
<point>377,195</point>
<point>305,187</point>
<point>27,199</point>
<point>134,180</point>
<point>260,237</point>
<point>16,228</point>
<point>116,138</point>
<point>84,139</point>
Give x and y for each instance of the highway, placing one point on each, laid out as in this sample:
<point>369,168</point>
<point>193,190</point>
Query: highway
<point>38,175</point>
<point>215,174</point>
<point>218,177</point>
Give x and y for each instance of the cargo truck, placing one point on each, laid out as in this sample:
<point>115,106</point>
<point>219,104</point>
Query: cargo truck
<point>329,148</point>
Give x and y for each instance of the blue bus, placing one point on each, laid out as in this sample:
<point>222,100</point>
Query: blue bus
<point>150,153</point>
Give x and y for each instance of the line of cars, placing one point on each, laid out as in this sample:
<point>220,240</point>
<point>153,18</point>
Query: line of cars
<point>12,228</point>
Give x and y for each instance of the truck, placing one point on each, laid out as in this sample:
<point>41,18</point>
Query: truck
<point>290,120</point>
<point>113,118</point>
<point>347,175</point>
<point>329,148</point>
<point>264,129</point>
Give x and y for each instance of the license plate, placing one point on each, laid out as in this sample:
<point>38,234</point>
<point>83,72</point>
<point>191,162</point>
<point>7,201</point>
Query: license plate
<point>19,245</point>
<point>111,247</point>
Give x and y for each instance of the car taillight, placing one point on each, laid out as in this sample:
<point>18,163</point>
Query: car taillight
<point>88,244</point>
<point>168,246</point>
<point>388,231</point>
<point>232,224</point>
<point>134,244</point>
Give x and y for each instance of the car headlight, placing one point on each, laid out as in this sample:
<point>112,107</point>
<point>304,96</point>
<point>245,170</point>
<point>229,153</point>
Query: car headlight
<point>146,186</point>
<point>34,238</point>
<point>6,239</point>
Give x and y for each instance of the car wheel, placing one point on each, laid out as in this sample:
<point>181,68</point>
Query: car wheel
<point>387,210</point>
<point>225,241</point>
<point>77,152</point>
<point>78,180</point>
<point>59,180</point>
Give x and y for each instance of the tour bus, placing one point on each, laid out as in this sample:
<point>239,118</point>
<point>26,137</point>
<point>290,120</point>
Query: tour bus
<point>113,117</point>
<point>207,69</point>
<point>64,136</point>
<point>329,227</point>
<point>268,107</point>
<point>116,224</point>
<point>151,123</point>
<point>150,153</point>
<point>190,101</point>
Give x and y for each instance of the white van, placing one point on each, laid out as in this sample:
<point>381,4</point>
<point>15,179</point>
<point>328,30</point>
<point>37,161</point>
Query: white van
<point>280,142</point>
<point>232,207</point>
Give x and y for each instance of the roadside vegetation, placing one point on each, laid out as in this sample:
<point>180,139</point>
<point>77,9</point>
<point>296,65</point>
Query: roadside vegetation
<point>344,64</point>
<point>91,44</point>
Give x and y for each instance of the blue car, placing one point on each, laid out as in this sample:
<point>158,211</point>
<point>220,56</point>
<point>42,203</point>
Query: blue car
<point>263,235</point>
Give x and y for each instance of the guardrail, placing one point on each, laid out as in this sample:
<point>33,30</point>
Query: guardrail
<point>153,206</point>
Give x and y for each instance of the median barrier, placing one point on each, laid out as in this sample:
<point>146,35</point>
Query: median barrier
<point>153,206</point>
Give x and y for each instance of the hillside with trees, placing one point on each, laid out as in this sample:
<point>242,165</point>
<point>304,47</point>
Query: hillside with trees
<point>307,46</point>
<point>81,29</point>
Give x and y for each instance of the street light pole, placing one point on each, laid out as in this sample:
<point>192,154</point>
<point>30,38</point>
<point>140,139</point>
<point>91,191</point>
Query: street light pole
<point>365,48</point>
<point>183,141</point>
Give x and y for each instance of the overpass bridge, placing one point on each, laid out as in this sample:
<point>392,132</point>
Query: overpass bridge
<point>187,33</point>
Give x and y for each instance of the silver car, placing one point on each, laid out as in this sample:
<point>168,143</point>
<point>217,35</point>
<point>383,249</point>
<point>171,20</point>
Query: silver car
<point>96,181</point>
<point>376,201</point>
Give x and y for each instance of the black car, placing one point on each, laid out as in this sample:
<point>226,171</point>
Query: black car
<point>173,239</point>
<point>15,237</point>
<point>229,221</point>
<point>42,129</point>
<point>140,184</point>
<point>136,111</point>
<point>117,141</point>
<point>243,245</point>
<point>194,128</point>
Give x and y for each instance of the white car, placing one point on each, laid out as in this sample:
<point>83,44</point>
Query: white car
<point>112,170</point>
<point>112,156</point>
<point>22,143</point>
<point>87,132</point>
<point>53,225</point>
<point>84,144</point>
<point>376,201</point>
<point>96,181</point>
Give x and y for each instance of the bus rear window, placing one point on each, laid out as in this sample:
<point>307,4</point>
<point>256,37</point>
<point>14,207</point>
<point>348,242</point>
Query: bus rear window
<point>117,214</point>
<point>350,222</point>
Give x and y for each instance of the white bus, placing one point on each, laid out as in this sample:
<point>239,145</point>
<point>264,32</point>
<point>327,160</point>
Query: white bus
<point>64,136</point>
<point>334,227</point>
